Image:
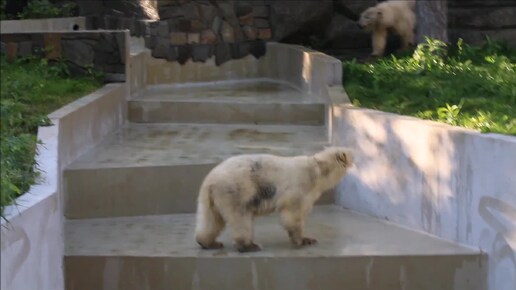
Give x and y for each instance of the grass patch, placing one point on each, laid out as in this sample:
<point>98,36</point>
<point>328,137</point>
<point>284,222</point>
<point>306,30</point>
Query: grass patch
<point>30,90</point>
<point>461,85</point>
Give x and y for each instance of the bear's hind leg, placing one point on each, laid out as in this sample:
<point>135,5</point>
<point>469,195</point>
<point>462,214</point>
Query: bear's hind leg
<point>293,222</point>
<point>242,227</point>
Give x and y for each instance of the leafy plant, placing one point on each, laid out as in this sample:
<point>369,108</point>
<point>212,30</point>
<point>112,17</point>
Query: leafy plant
<point>462,85</point>
<point>45,9</point>
<point>30,88</point>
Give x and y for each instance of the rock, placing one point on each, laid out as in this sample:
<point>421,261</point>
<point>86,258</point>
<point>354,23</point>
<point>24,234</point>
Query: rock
<point>200,53</point>
<point>482,18</point>
<point>208,37</point>
<point>81,53</point>
<point>178,38</point>
<point>297,20</point>
<point>258,48</point>
<point>184,52</point>
<point>250,32</point>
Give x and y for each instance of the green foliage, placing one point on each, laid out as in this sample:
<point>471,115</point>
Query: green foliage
<point>45,9</point>
<point>462,85</point>
<point>30,89</point>
<point>3,3</point>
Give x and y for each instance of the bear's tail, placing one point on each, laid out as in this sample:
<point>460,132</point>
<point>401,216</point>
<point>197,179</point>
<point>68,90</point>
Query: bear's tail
<point>209,222</point>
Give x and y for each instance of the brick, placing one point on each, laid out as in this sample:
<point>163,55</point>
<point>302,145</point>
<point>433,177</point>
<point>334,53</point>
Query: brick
<point>207,12</point>
<point>239,49</point>
<point>183,25</point>
<point>264,33</point>
<point>222,53</point>
<point>52,42</point>
<point>163,29</point>
<point>161,49</point>
<point>208,37</point>
<point>261,11</point>
<point>197,26</point>
<point>258,48</point>
<point>250,32</point>
<point>201,52</point>
<point>261,23</point>
<point>172,53</point>
<point>216,25</point>
<point>191,11</point>
<point>12,50</point>
<point>227,32</point>
<point>184,52</point>
<point>247,19</point>
<point>178,38</point>
<point>193,38</point>
<point>242,9</point>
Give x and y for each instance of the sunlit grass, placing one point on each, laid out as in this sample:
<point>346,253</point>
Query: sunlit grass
<point>472,87</point>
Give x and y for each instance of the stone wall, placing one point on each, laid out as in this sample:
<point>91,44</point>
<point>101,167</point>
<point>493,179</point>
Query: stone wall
<point>103,51</point>
<point>472,20</point>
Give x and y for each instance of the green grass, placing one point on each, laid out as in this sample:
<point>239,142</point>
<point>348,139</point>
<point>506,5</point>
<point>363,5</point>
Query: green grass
<point>30,90</point>
<point>462,85</point>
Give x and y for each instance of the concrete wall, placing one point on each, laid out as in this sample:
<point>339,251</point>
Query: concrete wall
<point>32,245</point>
<point>450,182</point>
<point>43,25</point>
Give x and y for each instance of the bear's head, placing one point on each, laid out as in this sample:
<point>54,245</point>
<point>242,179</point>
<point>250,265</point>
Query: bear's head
<point>369,18</point>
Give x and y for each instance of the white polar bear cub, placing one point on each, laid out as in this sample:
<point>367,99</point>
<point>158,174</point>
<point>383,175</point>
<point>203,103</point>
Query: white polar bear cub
<point>245,186</point>
<point>394,15</point>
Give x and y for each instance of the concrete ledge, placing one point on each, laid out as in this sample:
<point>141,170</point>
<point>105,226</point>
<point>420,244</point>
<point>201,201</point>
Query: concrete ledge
<point>451,182</point>
<point>32,239</point>
<point>43,25</point>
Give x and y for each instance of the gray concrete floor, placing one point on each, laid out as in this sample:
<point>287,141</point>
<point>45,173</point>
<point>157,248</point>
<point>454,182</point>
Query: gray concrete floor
<point>340,233</point>
<point>177,144</point>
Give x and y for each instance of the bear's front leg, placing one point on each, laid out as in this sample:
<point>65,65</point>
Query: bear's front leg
<point>379,42</point>
<point>293,222</point>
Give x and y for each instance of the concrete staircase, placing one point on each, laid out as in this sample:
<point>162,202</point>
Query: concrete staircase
<point>130,202</point>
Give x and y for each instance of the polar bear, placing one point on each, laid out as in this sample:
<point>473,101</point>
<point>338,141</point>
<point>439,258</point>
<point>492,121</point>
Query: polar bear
<point>397,16</point>
<point>245,186</point>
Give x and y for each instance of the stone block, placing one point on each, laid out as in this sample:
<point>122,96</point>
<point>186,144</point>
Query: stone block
<point>201,52</point>
<point>261,11</point>
<point>11,50</point>
<point>191,11</point>
<point>239,49</point>
<point>197,26</point>
<point>207,12</point>
<point>193,38</point>
<point>172,53</point>
<point>154,28</point>
<point>150,42</point>
<point>242,8</point>
<point>208,37</point>
<point>161,49</point>
<point>257,48</point>
<point>178,38</point>
<point>163,29</point>
<point>25,48</point>
<point>184,52</point>
<point>250,32</point>
<point>222,53</point>
<point>52,45</point>
<point>183,25</point>
<point>247,19</point>
<point>216,25</point>
<point>264,33</point>
<point>261,23</point>
<point>227,32</point>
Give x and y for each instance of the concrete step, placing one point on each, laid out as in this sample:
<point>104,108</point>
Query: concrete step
<point>353,252</point>
<point>250,101</point>
<point>157,168</point>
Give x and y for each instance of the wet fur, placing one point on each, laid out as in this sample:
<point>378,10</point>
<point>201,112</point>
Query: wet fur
<point>245,186</point>
<point>395,16</point>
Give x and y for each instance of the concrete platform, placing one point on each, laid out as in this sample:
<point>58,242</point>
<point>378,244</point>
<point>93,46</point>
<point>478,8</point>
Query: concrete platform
<point>354,252</point>
<point>251,101</point>
<point>158,168</point>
